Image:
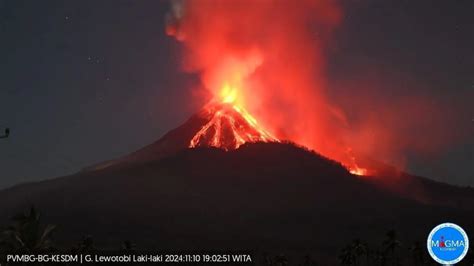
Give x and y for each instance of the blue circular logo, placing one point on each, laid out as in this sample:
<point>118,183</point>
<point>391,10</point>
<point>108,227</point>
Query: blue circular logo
<point>447,243</point>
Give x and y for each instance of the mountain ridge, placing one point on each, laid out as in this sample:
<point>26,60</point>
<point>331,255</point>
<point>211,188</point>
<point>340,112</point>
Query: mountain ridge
<point>266,196</point>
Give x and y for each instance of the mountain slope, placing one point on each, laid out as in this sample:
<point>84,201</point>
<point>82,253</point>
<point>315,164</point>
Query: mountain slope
<point>265,196</point>
<point>254,192</point>
<point>221,125</point>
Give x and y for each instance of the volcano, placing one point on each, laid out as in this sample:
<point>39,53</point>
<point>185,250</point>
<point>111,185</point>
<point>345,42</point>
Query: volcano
<point>218,182</point>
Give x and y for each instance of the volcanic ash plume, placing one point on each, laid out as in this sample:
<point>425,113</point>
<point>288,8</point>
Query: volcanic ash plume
<point>263,58</point>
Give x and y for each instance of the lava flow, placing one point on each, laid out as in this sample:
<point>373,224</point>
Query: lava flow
<point>229,125</point>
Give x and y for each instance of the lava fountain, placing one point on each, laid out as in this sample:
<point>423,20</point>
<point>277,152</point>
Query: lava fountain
<point>230,125</point>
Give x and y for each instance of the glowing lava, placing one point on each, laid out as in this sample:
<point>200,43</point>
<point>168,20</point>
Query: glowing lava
<point>352,165</point>
<point>229,125</point>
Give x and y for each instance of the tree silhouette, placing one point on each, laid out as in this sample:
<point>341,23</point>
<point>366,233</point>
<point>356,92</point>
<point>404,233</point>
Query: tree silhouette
<point>347,256</point>
<point>7,133</point>
<point>359,248</point>
<point>267,259</point>
<point>380,258</point>
<point>391,243</point>
<point>351,254</point>
<point>128,247</point>
<point>417,253</point>
<point>86,245</point>
<point>27,235</point>
<point>281,260</point>
<point>308,261</point>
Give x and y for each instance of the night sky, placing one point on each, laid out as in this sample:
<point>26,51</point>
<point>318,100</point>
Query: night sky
<point>86,81</point>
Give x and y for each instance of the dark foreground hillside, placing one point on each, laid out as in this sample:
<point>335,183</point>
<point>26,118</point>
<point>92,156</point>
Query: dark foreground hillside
<point>269,197</point>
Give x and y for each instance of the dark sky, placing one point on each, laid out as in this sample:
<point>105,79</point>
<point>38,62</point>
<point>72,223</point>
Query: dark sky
<point>89,80</point>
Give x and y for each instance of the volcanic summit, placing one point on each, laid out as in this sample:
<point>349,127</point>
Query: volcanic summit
<point>228,126</point>
<point>219,124</point>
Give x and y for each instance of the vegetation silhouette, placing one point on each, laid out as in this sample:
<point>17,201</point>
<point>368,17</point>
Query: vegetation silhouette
<point>359,253</point>
<point>417,251</point>
<point>85,246</point>
<point>391,244</point>
<point>308,261</point>
<point>128,247</point>
<point>355,253</point>
<point>6,134</point>
<point>27,235</point>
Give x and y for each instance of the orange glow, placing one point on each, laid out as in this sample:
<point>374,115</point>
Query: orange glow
<point>228,94</point>
<point>263,60</point>
<point>352,166</point>
<point>230,125</point>
<point>358,171</point>
<point>228,128</point>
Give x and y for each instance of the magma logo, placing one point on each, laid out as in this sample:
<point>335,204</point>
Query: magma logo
<point>448,243</point>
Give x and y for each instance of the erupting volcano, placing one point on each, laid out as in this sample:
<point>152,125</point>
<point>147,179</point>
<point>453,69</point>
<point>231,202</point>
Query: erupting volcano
<point>258,68</point>
<point>229,126</point>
